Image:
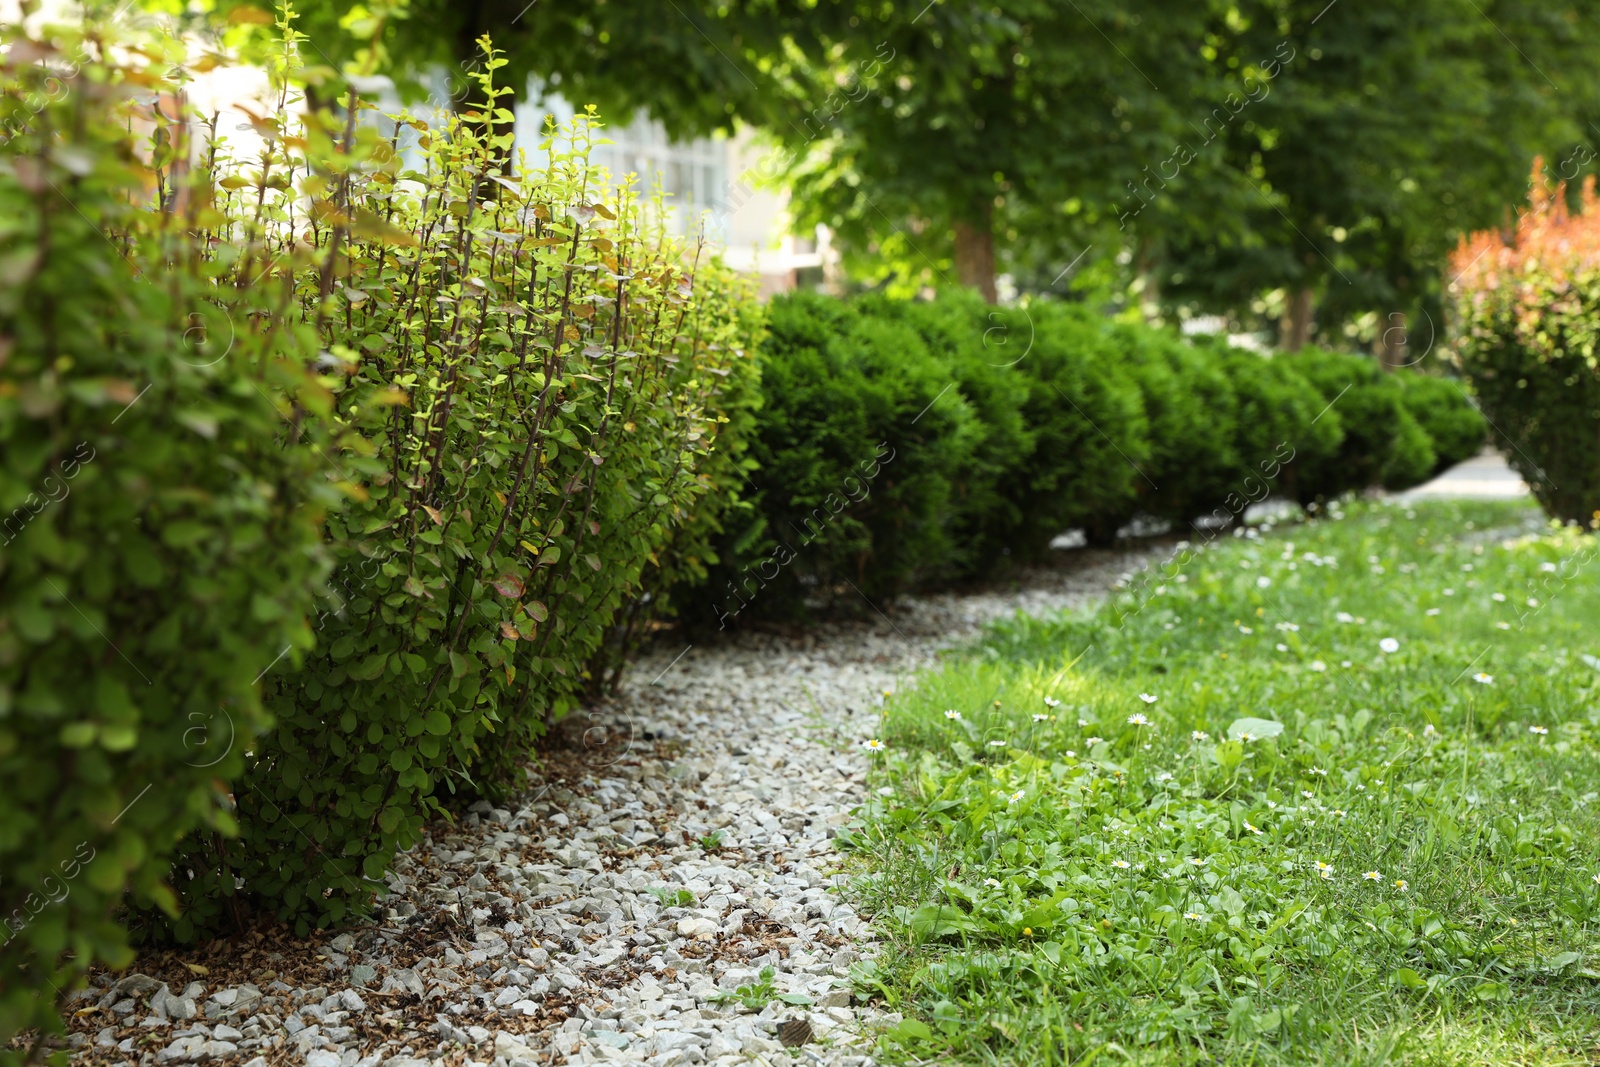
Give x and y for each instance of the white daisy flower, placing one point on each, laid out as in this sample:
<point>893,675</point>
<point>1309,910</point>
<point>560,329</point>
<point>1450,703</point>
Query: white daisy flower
<point>1389,645</point>
<point>1483,679</point>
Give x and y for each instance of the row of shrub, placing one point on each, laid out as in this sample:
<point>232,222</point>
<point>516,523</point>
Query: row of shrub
<point>331,475</point>
<point>1526,331</point>
<point>325,472</point>
<point>908,444</point>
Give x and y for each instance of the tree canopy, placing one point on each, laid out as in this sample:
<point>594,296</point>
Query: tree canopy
<point>1219,150</point>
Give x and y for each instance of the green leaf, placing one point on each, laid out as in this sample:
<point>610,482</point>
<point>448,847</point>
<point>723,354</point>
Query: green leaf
<point>78,734</point>
<point>1410,979</point>
<point>1259,729</point>
<point>369,668</point>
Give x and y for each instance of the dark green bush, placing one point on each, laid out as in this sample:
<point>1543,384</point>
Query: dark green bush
<point>1453,425</point>
<point>861,433</point>
<point>538,382</point>
<point>1526,333</point>
<point>981,343</point>
<point>1091,432</point>
<point>1367,401</point>
<point>1281,423</point>
<point>1012,425</point>
<point>1413,460</point>
<point>1190,404</point>
<point>161,538</point>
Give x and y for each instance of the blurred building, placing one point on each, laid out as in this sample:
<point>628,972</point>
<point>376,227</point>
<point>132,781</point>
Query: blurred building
<point>714,182</point>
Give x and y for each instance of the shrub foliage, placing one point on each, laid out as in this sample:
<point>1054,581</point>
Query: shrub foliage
<point>1001,428</point>
<point>1527,334</point>
<point>161,518</point>
<point>536,373</point>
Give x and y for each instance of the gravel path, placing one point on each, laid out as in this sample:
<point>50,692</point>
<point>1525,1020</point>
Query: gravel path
<point>611,913</point>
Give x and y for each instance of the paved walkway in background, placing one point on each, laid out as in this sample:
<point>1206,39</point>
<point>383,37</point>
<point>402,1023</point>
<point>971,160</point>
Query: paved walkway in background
<point>1485,476</point>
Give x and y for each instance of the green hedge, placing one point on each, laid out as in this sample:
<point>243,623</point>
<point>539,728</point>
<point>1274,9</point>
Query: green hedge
<point>537,377</point>
<point>1456,430</point>
<point>1009,426</point>
<point>161,519</point>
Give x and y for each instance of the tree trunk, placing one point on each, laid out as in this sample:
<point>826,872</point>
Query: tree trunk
<point>975,255</point>
<point>1295,329</point>
<point>1392,343</point>
<point>1148,265</point>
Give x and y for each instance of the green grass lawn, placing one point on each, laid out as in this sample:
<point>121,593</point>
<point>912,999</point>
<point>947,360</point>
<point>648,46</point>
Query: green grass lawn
<point>1327,795</point>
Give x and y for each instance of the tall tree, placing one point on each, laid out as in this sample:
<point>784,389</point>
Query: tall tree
<point>1394,129</point>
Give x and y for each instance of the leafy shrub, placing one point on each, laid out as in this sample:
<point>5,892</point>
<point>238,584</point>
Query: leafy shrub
<point>161,523</point>
<point>673,583</point>
<point>1413,459</point>
<point>1527,335</point>
<point>1281,424</point>
<point>854,462</point>
<point>1454,427</point>
<point>1189,403</point>
<point>537,377</point>
<point>1368,402</point>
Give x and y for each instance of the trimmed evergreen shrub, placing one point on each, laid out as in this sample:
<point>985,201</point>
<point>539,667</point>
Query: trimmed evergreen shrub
<point>1413,460</point>
<point>981,345</point>
<point>1454,426</point>
<point>1367,401</point>
<point>861,434</point>
<point>1526,333</point>
<point>161,517</point>
<point>1092,433</point>
<point>1281,424</point>
<point>1190,404</point>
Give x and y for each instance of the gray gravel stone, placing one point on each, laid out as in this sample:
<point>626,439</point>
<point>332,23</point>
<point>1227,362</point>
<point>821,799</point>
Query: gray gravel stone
<point>609,886</point>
